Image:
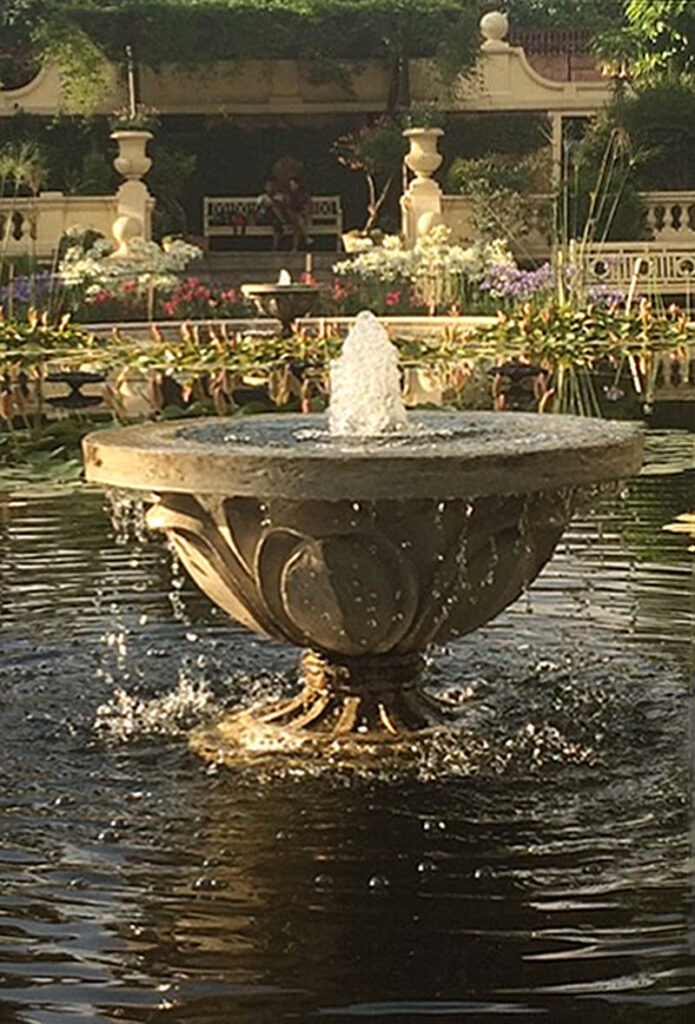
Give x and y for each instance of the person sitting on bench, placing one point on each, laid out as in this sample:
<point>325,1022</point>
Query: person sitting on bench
<point>270,210</point>
<point>298,207</point>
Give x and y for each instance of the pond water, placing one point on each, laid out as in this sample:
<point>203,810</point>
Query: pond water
<point>537,867</point>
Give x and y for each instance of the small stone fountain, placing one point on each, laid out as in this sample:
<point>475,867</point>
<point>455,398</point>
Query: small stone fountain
<point>285,299</point>
<point>364,543</point>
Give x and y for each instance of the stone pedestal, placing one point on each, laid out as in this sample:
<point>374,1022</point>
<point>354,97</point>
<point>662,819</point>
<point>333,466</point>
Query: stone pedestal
<point>134,200</point>
<point>421,206</point>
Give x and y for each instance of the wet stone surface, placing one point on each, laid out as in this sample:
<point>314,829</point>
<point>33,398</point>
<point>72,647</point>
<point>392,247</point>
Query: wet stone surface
<point>465,433</point>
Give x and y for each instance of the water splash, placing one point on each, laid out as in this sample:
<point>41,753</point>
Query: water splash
<point>126,716</point>
<point>365,383</point>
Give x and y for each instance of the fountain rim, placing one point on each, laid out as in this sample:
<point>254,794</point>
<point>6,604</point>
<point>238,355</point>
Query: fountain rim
<point>271,288</point>
<point>155,458</point>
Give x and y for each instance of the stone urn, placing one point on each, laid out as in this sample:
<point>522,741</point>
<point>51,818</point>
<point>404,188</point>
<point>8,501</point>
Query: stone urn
<point>132,161</point>
<point>423,158</point>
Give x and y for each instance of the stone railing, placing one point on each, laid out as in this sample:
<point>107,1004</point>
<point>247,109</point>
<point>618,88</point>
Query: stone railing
<point>654,267</point>
<point>552,40</point>
<point>532,241</point>
<point>670,218</point>
<point>671,215</point>
<point>35,224</point>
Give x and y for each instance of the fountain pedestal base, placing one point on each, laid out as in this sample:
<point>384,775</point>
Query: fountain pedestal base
<point>376,699</point>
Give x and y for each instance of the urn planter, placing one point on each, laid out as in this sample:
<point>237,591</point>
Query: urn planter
<point>132,161</point>
<point>423,158</point>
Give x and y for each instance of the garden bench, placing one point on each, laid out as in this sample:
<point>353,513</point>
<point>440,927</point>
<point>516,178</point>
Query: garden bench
<point>235,217</point>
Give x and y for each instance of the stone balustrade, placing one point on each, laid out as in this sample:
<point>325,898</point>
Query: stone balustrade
<point>34,225</point>
<point>648,267</point>
<point>668,258</point>
<point>530,241</point>
<point>671,215</point>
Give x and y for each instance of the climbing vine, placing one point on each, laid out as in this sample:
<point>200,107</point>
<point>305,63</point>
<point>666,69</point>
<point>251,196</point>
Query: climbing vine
<point>82,36</point>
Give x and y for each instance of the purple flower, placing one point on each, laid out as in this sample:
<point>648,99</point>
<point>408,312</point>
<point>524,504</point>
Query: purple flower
<point>510,282</point>
<point>28,289</point>
<point>601,295</point>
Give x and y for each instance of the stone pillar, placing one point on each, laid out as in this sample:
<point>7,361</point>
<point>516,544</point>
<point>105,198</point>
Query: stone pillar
<point>133,198</point>
<point>421,206</point>
<point>556,148</point>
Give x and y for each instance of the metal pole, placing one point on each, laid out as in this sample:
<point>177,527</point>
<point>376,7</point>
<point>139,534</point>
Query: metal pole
<point>130,72</point>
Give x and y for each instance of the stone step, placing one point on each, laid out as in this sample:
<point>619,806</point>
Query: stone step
<point>235,268</point>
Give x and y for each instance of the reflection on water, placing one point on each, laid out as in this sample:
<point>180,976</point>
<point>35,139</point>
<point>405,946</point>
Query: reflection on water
<point>538,867</point>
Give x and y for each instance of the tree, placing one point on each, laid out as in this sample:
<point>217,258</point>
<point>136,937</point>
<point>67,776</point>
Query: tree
<point>377,150</point>
<point>657,39</point>
<point>595,14</point>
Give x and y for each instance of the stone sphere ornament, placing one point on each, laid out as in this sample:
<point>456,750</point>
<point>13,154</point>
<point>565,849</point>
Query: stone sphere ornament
<point>494,27</point>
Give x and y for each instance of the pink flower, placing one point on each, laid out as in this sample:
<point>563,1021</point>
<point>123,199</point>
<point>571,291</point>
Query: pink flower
<point>393,298</point>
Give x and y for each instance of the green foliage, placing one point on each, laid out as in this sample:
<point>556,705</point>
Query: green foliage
<point>95,175</point>
<point>664,33</point>
<point>139,118</point>
<point>659,119</point>
<point>474,135</point>
<point>573,348</point>
<point>600,199</point>
<point>377,150</point>
<point>656,40</point>
<point>60,40</point>
<point>50,451</point>
<point>424,115</point>
<point>68,148</point>
<point>496,186</point>
<point>82,35</point>
<point>18,64</point>
<point>172,169</point>
<point>31,342</point>
<point>494,171</point>
<point>561,13</point>
<point>22,167</point>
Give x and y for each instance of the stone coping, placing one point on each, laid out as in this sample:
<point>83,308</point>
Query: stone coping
<point>449,455</point>
<point>320,323</point>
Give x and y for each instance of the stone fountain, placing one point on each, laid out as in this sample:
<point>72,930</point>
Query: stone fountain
<point>363,538</point>
<point>285,299</point>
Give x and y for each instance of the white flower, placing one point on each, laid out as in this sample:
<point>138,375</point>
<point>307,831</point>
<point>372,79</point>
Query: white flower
<point>436,268</point>
<point>146,263</point>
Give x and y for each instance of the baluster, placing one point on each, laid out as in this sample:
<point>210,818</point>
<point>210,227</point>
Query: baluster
<point>676,216</point>
<point>690,213</point>
<point>660,218</point>
<point>17,231</point>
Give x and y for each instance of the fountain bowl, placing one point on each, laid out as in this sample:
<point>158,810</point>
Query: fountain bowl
<point>363,551</point>
<point>284,302</point>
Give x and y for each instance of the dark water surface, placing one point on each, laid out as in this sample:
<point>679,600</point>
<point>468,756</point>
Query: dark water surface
<point>537,868</point>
